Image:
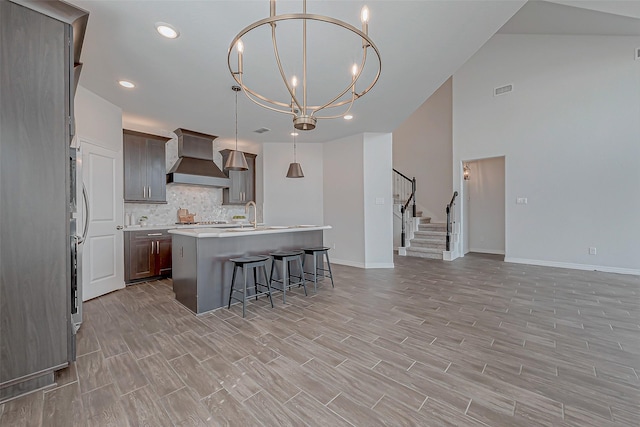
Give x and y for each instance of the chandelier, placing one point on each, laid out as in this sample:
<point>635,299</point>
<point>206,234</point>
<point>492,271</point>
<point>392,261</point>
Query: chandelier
<point>296,103</point>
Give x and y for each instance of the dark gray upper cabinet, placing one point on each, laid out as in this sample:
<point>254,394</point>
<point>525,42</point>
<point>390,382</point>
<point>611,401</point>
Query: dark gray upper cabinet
<point>144,167</point>
<point>243,183</point>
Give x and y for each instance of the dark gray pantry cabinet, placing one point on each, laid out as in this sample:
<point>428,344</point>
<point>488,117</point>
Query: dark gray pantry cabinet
<point>39,66</point>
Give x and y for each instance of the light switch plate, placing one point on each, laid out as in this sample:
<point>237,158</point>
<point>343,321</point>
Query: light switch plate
<point>379,200</point>
<point>521,201</point>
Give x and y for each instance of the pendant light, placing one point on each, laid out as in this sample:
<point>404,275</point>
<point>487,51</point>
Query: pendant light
<point>295,170</point>
<point>236,160</point>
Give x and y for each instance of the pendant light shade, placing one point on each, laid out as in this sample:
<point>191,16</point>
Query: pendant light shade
<point>295,170</point>
<point>236,160</point>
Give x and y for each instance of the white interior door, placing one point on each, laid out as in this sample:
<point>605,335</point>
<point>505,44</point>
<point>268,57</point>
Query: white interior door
<point>103,258</point>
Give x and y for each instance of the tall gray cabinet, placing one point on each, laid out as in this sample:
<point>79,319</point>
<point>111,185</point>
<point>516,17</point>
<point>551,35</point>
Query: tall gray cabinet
<point>37,82</point>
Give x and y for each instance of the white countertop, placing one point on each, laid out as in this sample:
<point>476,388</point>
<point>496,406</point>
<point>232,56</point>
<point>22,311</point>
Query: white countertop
<point>246,231</point>
<point>182,226</point>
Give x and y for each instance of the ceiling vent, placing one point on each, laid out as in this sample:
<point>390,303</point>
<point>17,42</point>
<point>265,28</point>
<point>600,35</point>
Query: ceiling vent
<point>262,130</point>
<point>502,90</point>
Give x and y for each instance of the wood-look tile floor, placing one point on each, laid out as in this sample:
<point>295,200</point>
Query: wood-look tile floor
<point>472,342</point>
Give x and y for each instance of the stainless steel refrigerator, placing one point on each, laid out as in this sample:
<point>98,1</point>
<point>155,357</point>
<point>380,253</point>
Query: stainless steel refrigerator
<point>39,57</point>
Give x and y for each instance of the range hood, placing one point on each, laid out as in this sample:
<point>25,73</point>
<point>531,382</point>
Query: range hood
<point>195,161</point>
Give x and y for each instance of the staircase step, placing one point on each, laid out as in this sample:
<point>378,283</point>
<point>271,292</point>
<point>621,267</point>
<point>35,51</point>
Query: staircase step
<point>428,243</point>
<point>425,220</point>
<point>433,226</point>
<point>430,234</point>
<point>424,252</point>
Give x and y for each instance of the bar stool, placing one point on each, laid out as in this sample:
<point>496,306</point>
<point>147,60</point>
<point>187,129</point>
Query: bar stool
<point>314,252</point>
<point>286,258</point>
<point>246,264</point>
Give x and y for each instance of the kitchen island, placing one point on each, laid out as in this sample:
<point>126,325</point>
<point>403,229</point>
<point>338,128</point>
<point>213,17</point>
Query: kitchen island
<point>200,257</point>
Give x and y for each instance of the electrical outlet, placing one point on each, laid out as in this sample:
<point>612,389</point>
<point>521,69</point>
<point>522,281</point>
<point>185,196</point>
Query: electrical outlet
<point>334,246</point>
<point>592,251</point>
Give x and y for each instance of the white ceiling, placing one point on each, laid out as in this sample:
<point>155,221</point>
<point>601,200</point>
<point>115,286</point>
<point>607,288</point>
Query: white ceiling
<point>610,18</point>
<point>186,83</point>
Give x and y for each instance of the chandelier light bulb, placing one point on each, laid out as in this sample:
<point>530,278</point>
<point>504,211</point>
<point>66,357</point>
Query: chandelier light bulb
<point>364,15</point>
<point>294,81</point>
<point>240,47</point>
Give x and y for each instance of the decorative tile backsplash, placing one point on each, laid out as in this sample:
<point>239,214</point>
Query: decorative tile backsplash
<point>205,202</point>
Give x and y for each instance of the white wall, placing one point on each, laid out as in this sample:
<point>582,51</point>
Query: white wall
<point>358,200</point>
<point>289,201</point>
<point>343,190</point>
<point>378,200</point>
<point>97,120</point>
<point>485,198</point>
<point>422,147</point>
<point>570,133</point>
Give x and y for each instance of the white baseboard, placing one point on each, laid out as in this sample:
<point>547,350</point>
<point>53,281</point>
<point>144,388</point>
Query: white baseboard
<point>361,264</point>
<point>379,265</point>
<point>487,251</point>
<point>348,263</point>
<point>574,266</point>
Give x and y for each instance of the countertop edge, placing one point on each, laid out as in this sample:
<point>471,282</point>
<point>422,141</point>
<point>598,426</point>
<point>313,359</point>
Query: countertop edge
<point>195,233</point>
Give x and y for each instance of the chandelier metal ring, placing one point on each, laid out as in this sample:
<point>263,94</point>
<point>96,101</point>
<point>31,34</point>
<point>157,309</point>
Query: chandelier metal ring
<point>308,113</point>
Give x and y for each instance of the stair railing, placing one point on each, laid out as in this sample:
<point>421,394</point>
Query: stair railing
<point>404,187</point>
<point>450,212</point>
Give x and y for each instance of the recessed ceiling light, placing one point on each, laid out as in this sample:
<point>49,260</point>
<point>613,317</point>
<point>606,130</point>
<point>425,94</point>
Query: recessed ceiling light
<point>294,133</point>
<point>167,30</point>
<point>127,84</point>
<point>348,117</point>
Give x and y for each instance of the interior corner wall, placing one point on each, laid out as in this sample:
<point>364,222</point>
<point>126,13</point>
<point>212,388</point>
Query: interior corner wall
<point>422,147</point>
<point>343,190</point>
<point>570,134</point>
<point>289,201</point>
<point>378,200</point>
<point>485,199</point>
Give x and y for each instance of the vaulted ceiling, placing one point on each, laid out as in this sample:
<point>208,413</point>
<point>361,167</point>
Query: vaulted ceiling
<point>186,82</point>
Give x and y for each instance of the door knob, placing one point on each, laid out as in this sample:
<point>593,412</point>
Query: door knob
<point>119,227</point>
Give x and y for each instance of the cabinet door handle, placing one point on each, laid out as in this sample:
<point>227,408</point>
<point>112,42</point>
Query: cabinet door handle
<point>149,191</point>
<point>154,234</point>
<point>153,248</point>
<point>158,247</point>
<point>144,192</point>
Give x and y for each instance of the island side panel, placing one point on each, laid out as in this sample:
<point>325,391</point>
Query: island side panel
<point>214,271</point>
<point>184,258</point>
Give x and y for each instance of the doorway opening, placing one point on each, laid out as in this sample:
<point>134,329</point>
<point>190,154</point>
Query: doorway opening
<point>484,206</point>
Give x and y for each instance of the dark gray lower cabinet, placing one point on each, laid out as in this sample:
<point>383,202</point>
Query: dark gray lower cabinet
<point>36,86</point>
<point>147,254</point>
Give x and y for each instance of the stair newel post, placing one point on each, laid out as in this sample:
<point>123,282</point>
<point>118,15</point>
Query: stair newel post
<point>402,234</point>
<point>448,229</point>
<point>413,192</point>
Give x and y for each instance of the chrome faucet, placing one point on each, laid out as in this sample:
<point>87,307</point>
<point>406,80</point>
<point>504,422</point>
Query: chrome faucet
<point>255,212</point>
